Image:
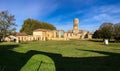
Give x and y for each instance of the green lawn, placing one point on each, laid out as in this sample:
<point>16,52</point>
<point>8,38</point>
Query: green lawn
<point>73,55</point>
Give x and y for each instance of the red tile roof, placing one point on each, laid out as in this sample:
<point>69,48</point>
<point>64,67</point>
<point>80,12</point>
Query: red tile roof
<point>44,30</point>
<point>21,34</point>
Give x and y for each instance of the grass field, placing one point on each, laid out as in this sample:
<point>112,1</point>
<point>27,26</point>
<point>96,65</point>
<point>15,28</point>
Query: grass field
<point>73,55</point>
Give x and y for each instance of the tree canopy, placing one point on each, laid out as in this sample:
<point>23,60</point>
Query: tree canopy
<point>97,34</point>
<point>30,25</point>
<point>117,31</point>
<point>108,31</point>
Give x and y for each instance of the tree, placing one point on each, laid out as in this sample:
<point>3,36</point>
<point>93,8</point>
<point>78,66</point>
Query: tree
<point>6,23</point>
<point>30,25</point>
<point>106,30</point>
<point>117,31</point>
<point>97,34</point>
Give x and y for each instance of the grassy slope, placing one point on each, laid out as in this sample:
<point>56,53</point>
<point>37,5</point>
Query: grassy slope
<point>74,55</point>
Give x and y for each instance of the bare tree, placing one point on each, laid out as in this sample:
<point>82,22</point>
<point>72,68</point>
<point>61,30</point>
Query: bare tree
<point>6,23</point>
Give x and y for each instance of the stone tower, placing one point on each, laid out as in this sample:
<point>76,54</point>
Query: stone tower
<point>75,26</point>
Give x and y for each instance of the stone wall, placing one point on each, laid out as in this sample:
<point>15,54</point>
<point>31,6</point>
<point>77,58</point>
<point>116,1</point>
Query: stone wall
<point>30,38</point>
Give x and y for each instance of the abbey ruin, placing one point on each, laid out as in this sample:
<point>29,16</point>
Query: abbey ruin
<point>45,34</point>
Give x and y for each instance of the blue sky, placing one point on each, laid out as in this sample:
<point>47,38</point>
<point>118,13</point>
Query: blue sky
<point>60,13</point>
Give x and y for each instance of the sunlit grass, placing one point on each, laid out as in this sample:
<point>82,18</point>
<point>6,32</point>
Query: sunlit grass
<point>27,56</point>
<point>69,48</point>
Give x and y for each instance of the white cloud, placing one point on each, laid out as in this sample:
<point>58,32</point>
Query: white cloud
<point>37,8</point>
<point>101,14</point>
<point>25,9</point>
<point>90,27</point>
<point>64,26</point>
<point>107,9</point>
<point>101,17</point>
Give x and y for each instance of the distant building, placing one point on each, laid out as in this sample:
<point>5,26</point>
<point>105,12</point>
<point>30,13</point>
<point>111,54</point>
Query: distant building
<point>45,34</point>
<point>50,34</point>
<point>10,38</point>
<point>76,33</point>
<point>75,26</point>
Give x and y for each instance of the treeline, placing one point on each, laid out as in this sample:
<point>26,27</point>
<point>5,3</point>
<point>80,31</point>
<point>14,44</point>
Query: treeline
<point>108,31</point>
<point>30,25</point>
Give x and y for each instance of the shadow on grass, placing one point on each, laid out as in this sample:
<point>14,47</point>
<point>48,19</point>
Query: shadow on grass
<point>96,40</point>
<point>14,61</point>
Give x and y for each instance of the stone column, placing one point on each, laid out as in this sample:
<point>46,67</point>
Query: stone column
<point>54,34</point>
<point>65,35</point>
<point>35,37</point>
<point>17,40</point>
<point>21,38</point>
<point>43,38</point>
<point>59,34</point>
<point>40,37</point>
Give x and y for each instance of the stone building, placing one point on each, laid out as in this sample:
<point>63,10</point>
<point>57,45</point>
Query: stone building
<point>76,26</point>
<point>76,33</point>
<point>50,34</point>
<point>10,38</point>
<point>45,34</point>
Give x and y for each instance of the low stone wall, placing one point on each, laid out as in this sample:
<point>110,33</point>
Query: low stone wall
<point>30,38</point>
<point>59,39</point>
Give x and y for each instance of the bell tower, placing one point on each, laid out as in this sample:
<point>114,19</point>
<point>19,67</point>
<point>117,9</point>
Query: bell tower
<point>75,26</point>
